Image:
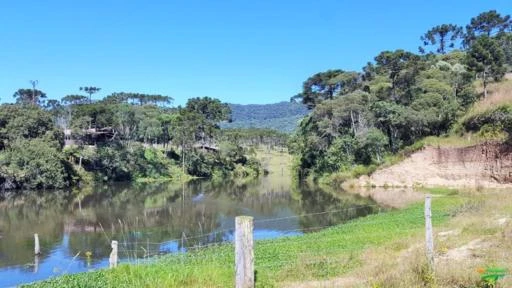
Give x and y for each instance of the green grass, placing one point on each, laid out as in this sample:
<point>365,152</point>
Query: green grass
<point>320,255</point>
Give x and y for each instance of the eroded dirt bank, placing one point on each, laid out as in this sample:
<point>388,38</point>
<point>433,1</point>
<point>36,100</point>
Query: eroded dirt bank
<point>485,165</point>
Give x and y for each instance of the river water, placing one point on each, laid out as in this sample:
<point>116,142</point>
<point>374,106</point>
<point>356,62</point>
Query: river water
<point>75,229</point>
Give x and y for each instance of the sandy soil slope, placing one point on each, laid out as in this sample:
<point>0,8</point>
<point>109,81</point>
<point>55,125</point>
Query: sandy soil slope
<point>486,165</point>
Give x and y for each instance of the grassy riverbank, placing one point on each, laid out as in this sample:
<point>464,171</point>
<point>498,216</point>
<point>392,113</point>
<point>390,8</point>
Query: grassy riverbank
<point>321,255</point>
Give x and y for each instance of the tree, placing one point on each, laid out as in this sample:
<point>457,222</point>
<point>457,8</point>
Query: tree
<point>326,85</point>
<point>34,163</point>
<point>127,119</point>
<point>183,131</point>
<point>17,121</point>
<point>400,66</point>
<point>90,90</point>
<point>150,129</point>
<point>374,143</point>
<point>209,113</point>
<point>34,84</point>
<point>505,41</point>
<point>444,36</point>
<point>486,58</point>
<point>213,110</point>
<point>74,99</point>
<point>28,96</point>
<point>487,23</point>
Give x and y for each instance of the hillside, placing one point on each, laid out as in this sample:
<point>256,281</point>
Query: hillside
<point>475,155</point>
<point>283,116</point>
<point>483,165</point>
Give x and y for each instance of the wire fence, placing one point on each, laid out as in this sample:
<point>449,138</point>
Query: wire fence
<point>132,251</point>
<point>216,248</point>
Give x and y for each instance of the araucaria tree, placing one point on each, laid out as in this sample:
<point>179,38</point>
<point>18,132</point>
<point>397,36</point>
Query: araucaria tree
<point>489,23</point>
<point>486,58</point>
<point>326,85</point>
<point>90,90</point>
<point>444,36</point>
<point>28,96</point>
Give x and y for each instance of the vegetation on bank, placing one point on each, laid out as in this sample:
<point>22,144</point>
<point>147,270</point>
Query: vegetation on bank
<point>320,255</point>
<point>123,137</point>
<point>363,120</point>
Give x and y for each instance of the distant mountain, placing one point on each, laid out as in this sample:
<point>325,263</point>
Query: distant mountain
<point>283,116</point>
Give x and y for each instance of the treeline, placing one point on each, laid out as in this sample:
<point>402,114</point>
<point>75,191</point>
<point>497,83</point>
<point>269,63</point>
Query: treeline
<point>122,137</point>
<point>360,117</point>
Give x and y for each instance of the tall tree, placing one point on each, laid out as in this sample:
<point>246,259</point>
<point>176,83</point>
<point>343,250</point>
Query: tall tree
<point>444,36</point>
<point>34,84</point>
<point>486,58</point>
<point>487,23</point>
<point>73,99</point>
<point>183,131</point>
<point>396,64</point>
<point>210,111</point>
<point>28,96</point>
<point>90,90</point>
<point>326,85</point>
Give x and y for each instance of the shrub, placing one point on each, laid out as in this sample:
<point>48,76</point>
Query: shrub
<point>35,163</point>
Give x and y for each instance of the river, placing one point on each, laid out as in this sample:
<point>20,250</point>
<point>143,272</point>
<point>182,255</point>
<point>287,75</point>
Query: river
<point>153,219</point>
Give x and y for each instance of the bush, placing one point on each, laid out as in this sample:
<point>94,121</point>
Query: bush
<point>35,164</point>
<point>119,163</point>
<point>498,116</point>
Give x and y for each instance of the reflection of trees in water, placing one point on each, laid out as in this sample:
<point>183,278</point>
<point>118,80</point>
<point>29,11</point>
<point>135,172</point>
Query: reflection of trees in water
<point>25,215</point>
<point>137,214</point>
<point>313,200</point>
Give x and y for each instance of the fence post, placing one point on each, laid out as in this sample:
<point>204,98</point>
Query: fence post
<point>244,253</point>
<point>428,233</point>
<point>113,255</point>
<point>37,248</point>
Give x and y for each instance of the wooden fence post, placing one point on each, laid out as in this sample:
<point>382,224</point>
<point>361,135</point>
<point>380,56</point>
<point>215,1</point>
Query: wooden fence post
<point>37,248</point>
<point>244,253</point>
<point>428,233</point>
<point>113,255</point>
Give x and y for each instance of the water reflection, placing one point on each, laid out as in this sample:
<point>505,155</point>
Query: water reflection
<point>153,219</point>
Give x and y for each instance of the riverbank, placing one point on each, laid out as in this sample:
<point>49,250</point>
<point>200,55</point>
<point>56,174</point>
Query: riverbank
<point>483,165</point>
<point>328,254</point>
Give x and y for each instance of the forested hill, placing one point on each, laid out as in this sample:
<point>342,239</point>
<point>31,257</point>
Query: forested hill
<point>361,119</point>
<point>283,116</point>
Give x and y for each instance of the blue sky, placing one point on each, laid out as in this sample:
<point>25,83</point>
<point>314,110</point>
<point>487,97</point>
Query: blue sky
<point>257,51</point>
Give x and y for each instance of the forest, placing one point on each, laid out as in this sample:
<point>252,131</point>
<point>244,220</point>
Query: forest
<point>359,119</point>
<point>47,144</point>
<point>283,116</point>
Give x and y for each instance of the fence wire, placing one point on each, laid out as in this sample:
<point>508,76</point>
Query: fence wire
<point>216,248</point>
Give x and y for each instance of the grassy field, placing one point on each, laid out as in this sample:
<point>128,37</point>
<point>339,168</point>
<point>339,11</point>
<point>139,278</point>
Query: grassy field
<point>324,255</point>
<point>477,237</point>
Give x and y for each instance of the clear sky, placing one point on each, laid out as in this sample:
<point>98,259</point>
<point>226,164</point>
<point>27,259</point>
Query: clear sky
<point>257,51</point>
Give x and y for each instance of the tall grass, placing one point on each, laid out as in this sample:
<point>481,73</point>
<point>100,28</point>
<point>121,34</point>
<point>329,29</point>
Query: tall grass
<point>500,93</point>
